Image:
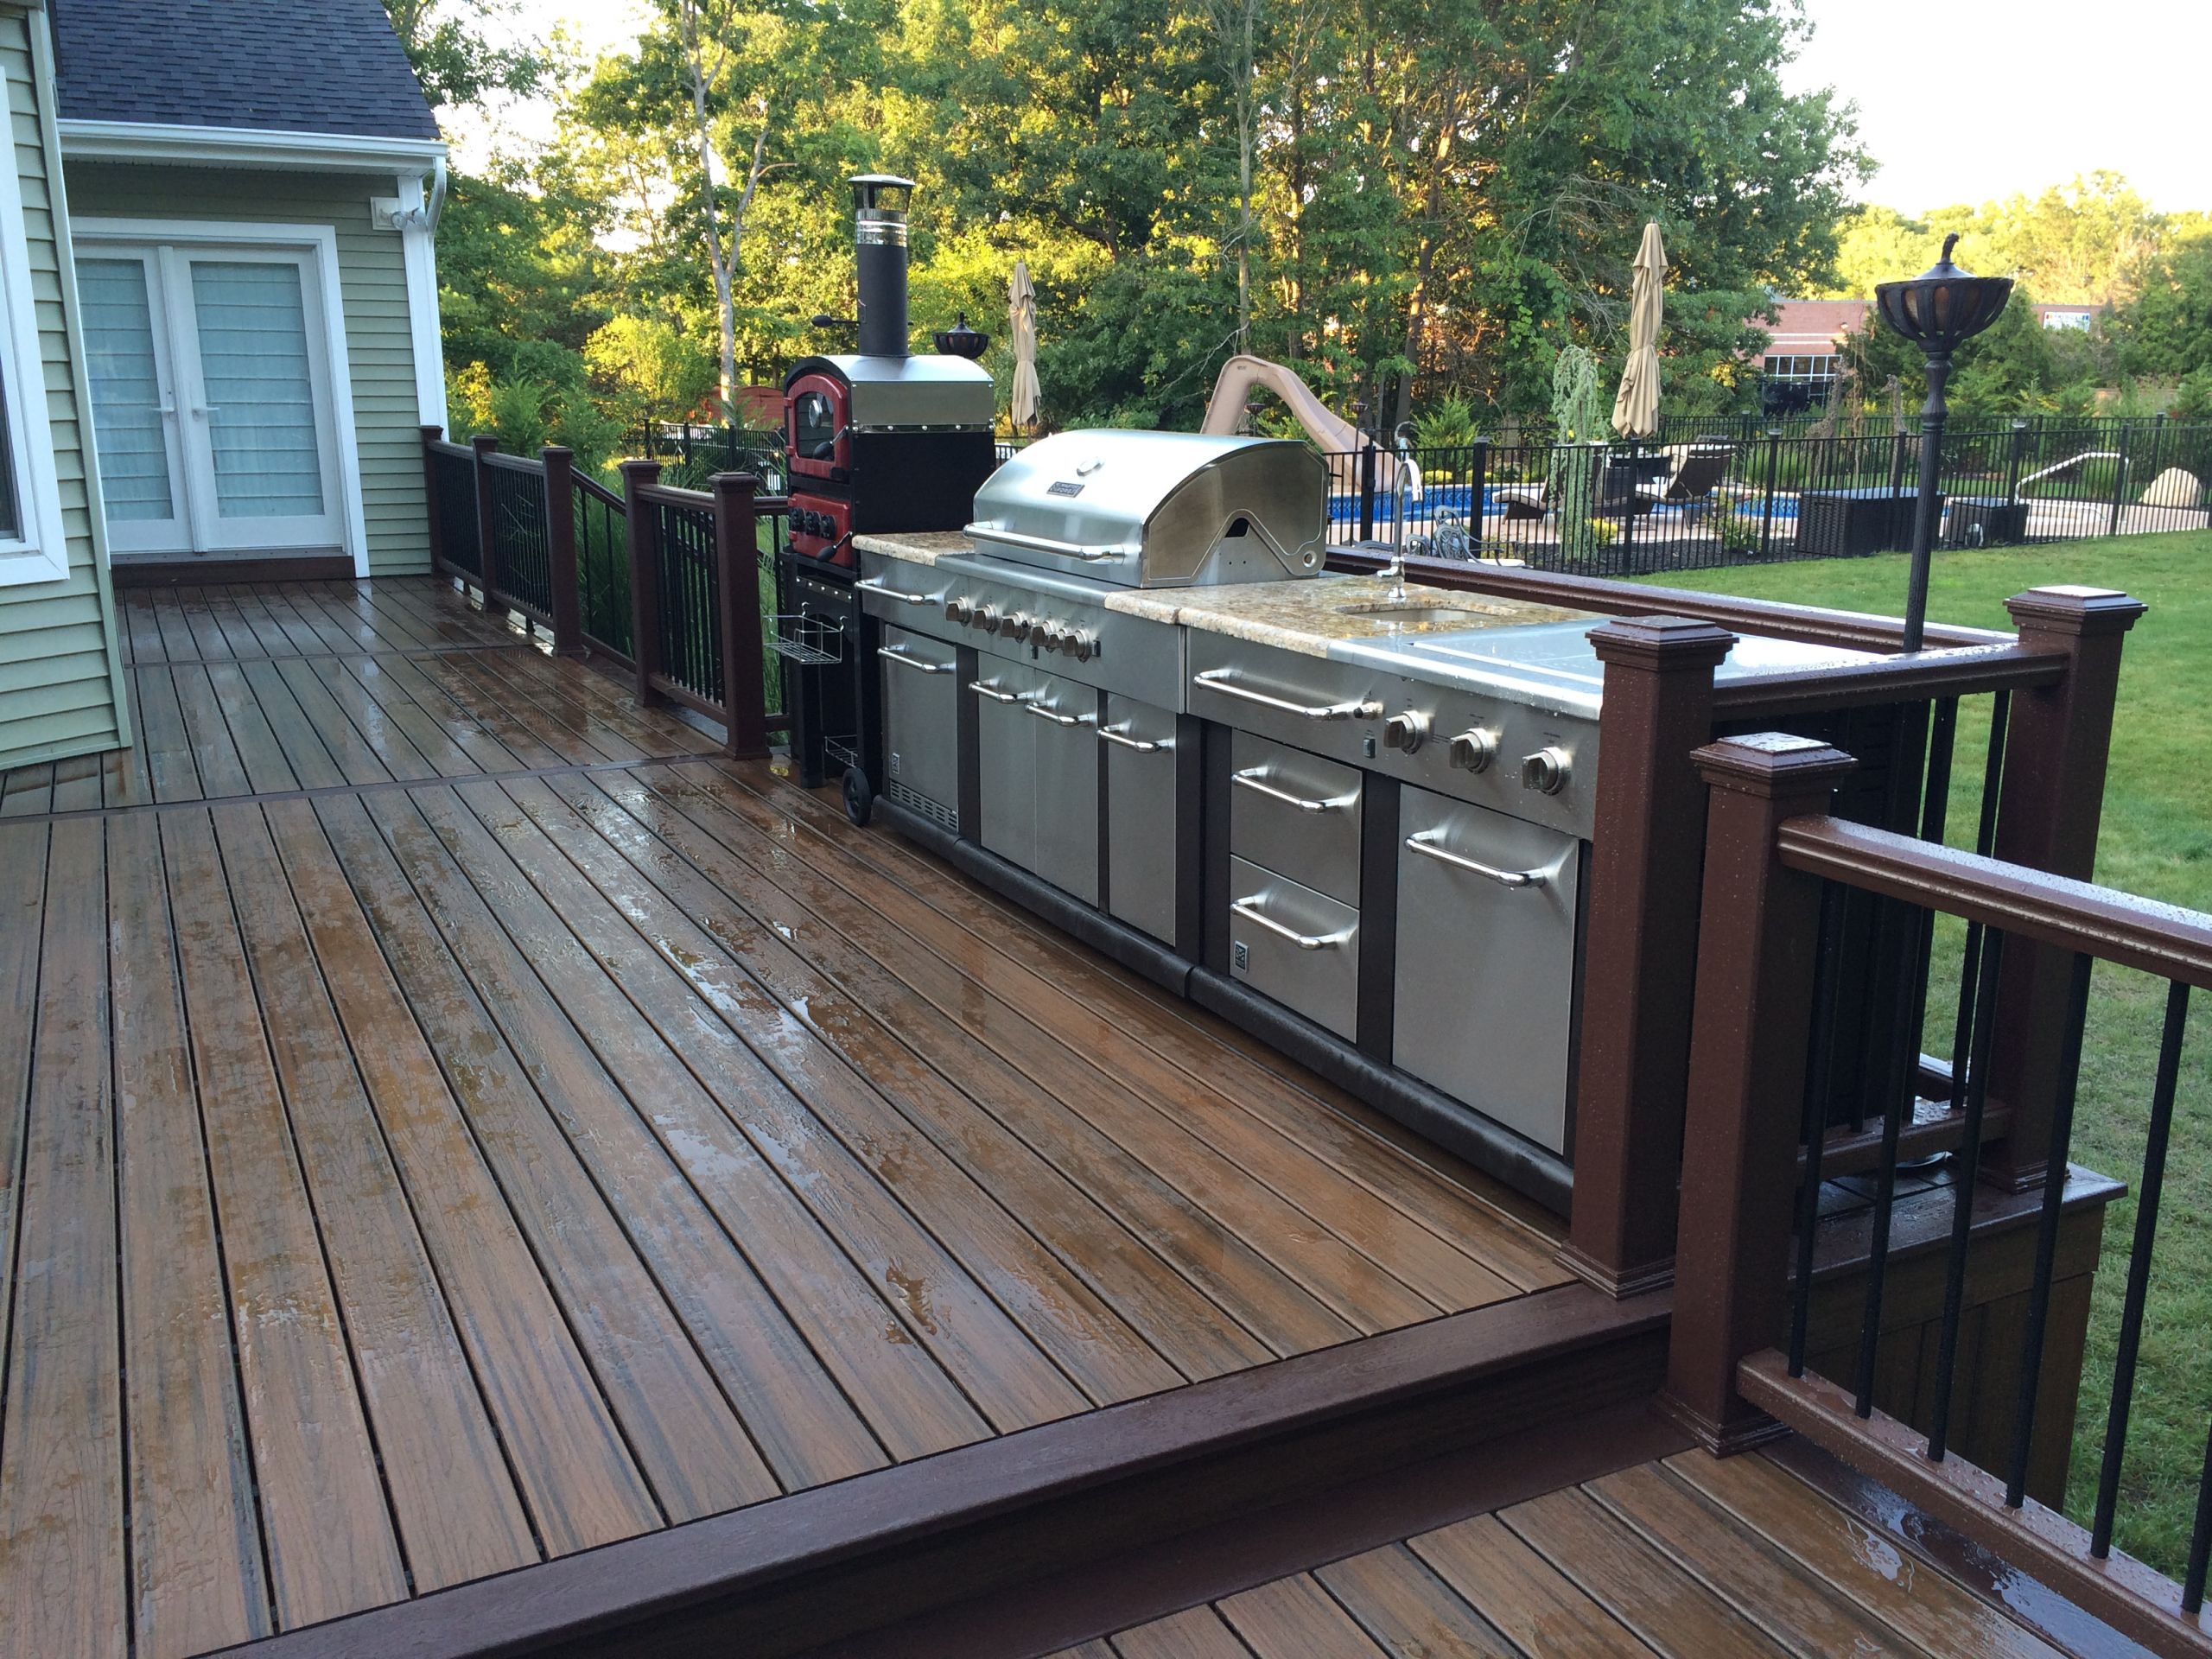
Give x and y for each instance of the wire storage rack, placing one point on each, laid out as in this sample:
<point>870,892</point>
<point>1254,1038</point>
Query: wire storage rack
<point>811,641</point>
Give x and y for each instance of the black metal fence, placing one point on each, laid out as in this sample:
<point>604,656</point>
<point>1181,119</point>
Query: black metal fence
<point>603,569</point>
<point>691,453</point>
<point>1713,500</point>
<point>453,504</point>
<point>689,600</point>
<point>520,552</point>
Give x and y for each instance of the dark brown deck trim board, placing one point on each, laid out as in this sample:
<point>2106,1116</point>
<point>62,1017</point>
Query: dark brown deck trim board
<point>838,1561</point>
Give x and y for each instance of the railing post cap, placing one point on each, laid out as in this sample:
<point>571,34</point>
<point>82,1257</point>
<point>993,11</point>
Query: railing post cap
<point>749,483</point>
<point>1771,765</point>
<point>1661,644</point>
<point>2068,608</point>
<point>644,468</point>
<point>483,442</point>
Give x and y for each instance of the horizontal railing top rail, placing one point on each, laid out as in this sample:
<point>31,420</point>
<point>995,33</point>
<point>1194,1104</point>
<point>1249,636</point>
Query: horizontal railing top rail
<point>2113,927</point>
<point>597,491</point>
<point>513,463</point>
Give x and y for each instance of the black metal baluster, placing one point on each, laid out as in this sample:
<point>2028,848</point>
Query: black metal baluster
<point>1820,1059</point>
<point>1897,1098</point>
<point>1935,802</point>
<point>2054,1195</point>
<point>1970,1060</point>
<point>2200,1539</point>
<point>2139,1263</point>
<point>2000,708</point>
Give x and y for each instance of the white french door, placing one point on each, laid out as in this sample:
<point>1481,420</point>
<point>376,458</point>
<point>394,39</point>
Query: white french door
<point>212,399</point>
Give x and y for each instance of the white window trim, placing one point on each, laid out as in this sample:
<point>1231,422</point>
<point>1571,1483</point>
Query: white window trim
<point>42,552</point>
<point>320,241</point>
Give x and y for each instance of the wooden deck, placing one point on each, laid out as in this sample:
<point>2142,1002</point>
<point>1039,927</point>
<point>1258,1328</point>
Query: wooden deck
<point>447,1123</point>
<point>1690,1558</point>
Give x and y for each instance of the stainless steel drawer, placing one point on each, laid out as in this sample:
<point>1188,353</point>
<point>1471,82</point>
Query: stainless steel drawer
<point>1484,975</point>
<point>1296,812</point>
<point>1296,946</point>
<point>921,724</point>
<point>1142,826</point>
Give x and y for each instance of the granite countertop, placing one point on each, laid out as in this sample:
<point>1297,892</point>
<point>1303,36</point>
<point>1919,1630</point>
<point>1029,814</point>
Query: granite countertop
<point>916,546</point>
<point>1314,613</point>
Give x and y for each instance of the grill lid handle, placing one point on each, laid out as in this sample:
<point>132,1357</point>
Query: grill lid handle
<point>1088,553</point>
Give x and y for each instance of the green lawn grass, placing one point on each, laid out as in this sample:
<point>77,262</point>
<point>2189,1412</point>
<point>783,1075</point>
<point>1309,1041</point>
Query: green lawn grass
<point>2156,841</point>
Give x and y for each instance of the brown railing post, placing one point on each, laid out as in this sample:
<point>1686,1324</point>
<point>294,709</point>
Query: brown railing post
<point>642,526</point>
<point>2047,809</point>
<point>1641,947</point>
<point>433,435</point>
<point>737,569</point>
<point>561,549</point>
<point>1755,954</point>
<point>487,550</point>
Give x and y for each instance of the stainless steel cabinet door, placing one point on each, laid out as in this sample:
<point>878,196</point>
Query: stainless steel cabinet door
<point>1296,946</point>
<point>1064,716</point>
<point>1142,829</point>
<point>1485,968</point>
<point>1006,760</point>
<point>921,724</point>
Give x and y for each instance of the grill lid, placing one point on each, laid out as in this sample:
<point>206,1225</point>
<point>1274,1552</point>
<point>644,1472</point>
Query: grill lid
<point>1158,509</point>
<point>898,394</point>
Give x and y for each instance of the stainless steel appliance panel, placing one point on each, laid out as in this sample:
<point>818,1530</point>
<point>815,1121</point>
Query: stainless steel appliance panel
<point>1006,760</point>
<point>1064,721</point>
<point>1143,831</point>
<point>1296,812</point>
<point>1296,946</point>
<point>921,724</point>
<point>1485,961</point>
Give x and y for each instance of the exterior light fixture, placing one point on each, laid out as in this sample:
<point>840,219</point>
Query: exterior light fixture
<point>1938,311</point>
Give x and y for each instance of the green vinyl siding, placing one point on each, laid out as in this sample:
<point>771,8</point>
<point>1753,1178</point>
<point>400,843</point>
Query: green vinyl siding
<point>373,282</point>
<point>61,678</point>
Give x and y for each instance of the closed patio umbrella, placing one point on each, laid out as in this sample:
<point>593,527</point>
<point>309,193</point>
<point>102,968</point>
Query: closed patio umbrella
<point>1636,408</point>
<point>1027,397</point>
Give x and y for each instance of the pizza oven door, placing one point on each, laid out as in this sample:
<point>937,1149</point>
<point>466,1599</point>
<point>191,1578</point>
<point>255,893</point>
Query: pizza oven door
<point>817,427</point>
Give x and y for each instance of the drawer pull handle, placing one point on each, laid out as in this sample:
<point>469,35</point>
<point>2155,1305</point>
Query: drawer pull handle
<point>1425,844</point>
<point>908,659</point>
<point>873,586</point>
<point>1256,779</point>
<point>990,688</point>
<point>1250,911</point>
<point>1046,711</point>
<point>1217,679</point>
<point>1142,745</point>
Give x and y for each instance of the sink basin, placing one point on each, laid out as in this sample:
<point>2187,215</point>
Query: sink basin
<point>1425,618</point>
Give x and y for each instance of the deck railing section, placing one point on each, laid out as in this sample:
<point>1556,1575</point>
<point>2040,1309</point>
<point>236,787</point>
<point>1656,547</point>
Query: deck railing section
<point>1779,864</point>
<point>643,578</point>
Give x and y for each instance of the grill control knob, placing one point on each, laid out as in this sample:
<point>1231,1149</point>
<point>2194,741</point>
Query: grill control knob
<point>1405,731</point>
<point>1052,635</point>
<point>1018,627</point>
<point>1547,770</point>
<point>1473,751</point>
<point>987,617</point>
<point>1082,643</point>
<point>959,608</point>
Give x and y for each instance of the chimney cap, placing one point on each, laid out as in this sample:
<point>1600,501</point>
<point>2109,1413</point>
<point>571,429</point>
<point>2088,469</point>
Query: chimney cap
<point>870,189</point>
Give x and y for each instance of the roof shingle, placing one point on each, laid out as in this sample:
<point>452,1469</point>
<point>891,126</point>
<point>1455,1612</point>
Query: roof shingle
<point>294,66</point>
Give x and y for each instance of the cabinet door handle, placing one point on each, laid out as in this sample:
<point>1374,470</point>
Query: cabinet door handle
<point>1256,779</point>
<point>1046,711</point>
<point>1250,911</point>
<point>990,688</point>
<point>872,585</point>
<point>1142,745</point>
<point>1217,679</point>
<point>908,659</point>
<point>1425,844</point>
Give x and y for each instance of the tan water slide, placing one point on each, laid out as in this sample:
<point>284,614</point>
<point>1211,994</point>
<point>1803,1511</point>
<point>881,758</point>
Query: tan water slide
<point>1338,439</point>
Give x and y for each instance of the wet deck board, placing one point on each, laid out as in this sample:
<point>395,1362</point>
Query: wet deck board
<point>1690,1558</point>
<point>450,1120</point>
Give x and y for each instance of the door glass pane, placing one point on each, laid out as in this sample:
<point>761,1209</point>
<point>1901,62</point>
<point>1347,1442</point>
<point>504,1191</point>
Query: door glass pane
<point>253,360</point>
<point>126,389</point>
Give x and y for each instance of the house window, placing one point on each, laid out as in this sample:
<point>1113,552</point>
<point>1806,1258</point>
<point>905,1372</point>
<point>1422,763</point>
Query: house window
<point>32,546</point>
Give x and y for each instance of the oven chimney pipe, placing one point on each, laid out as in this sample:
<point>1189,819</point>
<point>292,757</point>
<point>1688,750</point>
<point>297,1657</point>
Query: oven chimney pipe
<point>880,259</point>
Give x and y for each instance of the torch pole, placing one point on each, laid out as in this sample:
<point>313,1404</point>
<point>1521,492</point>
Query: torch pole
<point>1932,414</point>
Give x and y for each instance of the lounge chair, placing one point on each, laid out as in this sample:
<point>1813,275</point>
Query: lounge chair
<point>1698,472</point>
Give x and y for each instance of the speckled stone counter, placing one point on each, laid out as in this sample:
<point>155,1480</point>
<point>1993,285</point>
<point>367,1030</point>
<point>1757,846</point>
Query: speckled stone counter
<point>1308,615</point>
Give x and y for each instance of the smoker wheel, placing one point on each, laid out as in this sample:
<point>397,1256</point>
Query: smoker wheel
<point>859,796</point>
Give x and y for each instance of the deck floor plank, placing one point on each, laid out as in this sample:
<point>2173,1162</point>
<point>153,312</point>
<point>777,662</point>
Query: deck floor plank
<point>1296,1618</point>
<point>312,759</point>
<point>1198,1634</point>
<point>76,784</point>
<point>267,770</point>
<point>177,644</point>
<point>198,1579</point>
<point>142,628</point>
<point>214,755</point>
<point>163,735</point>
<point>809,1430</point>
<point>22,918</point>
<point>62,1574</point>
<point>1522,1594</point>
<point>452,1489</point>
<point>394,681</point>
<point>28,792</point>
<point>1408,1608</point>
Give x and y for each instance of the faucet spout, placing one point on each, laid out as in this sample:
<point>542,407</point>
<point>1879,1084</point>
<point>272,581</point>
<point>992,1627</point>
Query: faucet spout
<point>1406,481</point>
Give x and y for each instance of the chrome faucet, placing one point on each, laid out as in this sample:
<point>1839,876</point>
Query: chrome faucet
<point>1407,480</point>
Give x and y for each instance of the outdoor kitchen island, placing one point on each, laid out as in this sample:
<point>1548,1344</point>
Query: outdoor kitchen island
<point>1355,821</point>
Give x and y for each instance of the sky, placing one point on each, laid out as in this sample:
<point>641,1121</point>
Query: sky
<point>1959,100</point>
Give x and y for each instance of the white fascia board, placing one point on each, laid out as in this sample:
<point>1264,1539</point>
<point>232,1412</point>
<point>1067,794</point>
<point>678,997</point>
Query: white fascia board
<point>143,141</point>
